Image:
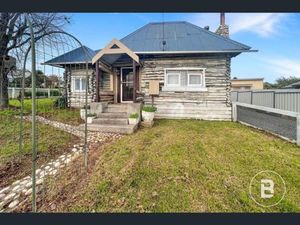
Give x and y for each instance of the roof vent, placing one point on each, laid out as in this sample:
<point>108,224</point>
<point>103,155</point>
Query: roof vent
<point>206,27</point>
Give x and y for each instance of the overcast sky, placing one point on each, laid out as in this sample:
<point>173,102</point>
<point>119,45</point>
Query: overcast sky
<point>275,35</point>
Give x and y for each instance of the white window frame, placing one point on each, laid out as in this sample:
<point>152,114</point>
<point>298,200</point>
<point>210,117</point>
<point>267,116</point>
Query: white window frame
<point>189,87</point>
<point>74,83</point>
<point>202,83</point>
<point>173,85</point>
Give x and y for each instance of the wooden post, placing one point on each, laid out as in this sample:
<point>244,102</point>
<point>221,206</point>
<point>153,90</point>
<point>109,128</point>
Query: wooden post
<point>134,80</point>
<point>97,82</point>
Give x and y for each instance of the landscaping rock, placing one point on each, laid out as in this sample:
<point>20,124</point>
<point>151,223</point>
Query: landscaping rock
<point>4,190</point>
<point>13,204</point>
<point>28,192</point>
<point>10,196</point>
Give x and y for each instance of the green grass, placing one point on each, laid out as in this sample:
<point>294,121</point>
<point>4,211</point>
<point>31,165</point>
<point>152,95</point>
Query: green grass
<point>49,139</point>
<point>46,109</point>
<point>190,166</point>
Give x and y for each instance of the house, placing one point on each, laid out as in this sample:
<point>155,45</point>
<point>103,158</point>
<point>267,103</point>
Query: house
<point>188,66</point>
<point>295,85</point>
<point>247,84</point>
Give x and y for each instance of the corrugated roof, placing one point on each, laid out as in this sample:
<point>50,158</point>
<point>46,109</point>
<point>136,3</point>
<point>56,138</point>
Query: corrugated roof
<point>178,36</point>
<point>80,54</point>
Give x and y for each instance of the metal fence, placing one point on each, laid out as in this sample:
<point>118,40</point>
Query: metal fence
<point>285,99</point>
<point>14,92</point>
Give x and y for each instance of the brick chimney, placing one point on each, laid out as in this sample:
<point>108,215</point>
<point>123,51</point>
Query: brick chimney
<point>223,29</point>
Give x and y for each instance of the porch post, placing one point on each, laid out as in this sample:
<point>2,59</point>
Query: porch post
<point>97,82</point>
<point>134,80</point>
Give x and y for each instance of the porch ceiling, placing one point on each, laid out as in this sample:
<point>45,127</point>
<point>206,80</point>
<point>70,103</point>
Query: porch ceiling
<point>113,51</point>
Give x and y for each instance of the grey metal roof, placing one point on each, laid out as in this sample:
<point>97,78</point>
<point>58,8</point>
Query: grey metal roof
<point>179,36</point>
<point>78,55</point>
<point>293,85</point>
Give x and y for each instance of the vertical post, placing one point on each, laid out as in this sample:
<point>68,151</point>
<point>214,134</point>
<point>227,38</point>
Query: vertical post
<point>85,124</point>
<point>33,126</point>
<point>134,80</point>
<point>298,131</point>
<point>97,82</point>
<point>234,112</point>
<point>13,93</point>
<point>49,93</point>
<point>251,101</point>
<point>274,99</point>
<point>237,96</point>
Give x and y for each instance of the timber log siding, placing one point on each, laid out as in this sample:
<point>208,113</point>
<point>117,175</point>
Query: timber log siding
<point>213,104</point>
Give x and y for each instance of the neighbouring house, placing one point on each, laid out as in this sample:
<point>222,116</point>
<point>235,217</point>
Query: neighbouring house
<point>242,84</point>
<point>295,85</point>
<point>187,67</point>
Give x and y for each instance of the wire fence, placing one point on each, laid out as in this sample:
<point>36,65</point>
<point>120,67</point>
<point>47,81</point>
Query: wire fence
<point>284,99</point>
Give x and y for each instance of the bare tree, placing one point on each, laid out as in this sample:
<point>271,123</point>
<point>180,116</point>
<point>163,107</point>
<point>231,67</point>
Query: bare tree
<point>15,37</point>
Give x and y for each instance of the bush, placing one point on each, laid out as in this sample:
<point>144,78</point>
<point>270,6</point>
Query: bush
<point>91,115</point>
<point>55,93</point>
<point>38,94</point>
<point>134,116</point>
<point>61,103</point>
<point>149,109</point>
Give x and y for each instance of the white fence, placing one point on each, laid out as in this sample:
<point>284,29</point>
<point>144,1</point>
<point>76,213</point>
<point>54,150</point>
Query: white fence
<point>14,92</point>
<point>284,99</point>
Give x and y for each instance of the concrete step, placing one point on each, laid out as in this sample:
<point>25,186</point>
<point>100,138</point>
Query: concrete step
<point>121,129</point>
<point>119,115</point>
<point>111,121</point>
<point>115,109</point>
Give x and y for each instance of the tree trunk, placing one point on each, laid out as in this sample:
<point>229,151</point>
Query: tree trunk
<point>3,85</point>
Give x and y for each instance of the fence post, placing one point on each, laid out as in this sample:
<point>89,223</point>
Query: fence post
<point>49,93</point>
<point>274,99</point>
<point>298,130</point>
<point>234,112</point>
<point>251,97</point>
<point>237,96</point>
<point>13,93</point>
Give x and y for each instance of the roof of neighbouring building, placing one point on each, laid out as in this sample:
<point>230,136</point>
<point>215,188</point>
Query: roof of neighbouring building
<point>247,79</point>
<point>173,37</point>
<point>293,85</point>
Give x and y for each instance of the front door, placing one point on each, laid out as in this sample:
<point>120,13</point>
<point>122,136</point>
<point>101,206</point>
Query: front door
<point>126,84</point>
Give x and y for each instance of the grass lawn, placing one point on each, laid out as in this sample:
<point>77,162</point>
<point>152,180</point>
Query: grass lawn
<point>51,142</point>
<point>190,166</point>
<point>46,109</point>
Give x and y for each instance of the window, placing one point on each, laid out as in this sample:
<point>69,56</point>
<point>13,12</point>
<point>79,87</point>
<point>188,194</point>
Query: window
<point>184,79</point>
<point>78,84</point>
<point>195,79</point>
<point>173,79</point>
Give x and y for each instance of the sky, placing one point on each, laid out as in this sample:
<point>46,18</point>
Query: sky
<point>276,36</point>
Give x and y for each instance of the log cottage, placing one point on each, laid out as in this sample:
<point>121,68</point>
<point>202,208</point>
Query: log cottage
<point>183,69</point>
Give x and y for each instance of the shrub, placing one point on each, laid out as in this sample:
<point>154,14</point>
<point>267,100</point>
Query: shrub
<point>87,107</point>
<point>91,114</point>
<point>134,116</point>
<point>55,93</point>
<point>149,109</point>
<point>61,103</point>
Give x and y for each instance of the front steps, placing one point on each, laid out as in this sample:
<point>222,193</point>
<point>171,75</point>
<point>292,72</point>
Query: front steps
<point>113,119</point>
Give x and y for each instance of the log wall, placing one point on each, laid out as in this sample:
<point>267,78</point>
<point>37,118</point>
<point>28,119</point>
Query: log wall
<point>213,104</point>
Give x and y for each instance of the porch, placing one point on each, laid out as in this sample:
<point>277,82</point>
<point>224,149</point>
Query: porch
<point>117,88</point>
<point>116,74</point>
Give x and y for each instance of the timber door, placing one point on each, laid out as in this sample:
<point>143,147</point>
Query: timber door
<point>127,79</point>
